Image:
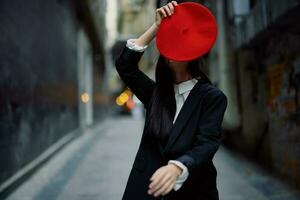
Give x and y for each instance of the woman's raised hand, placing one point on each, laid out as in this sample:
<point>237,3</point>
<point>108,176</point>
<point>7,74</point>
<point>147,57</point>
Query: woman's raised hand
<point>164,11</point>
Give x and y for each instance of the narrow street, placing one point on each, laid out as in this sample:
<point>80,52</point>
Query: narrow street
<point>78,76</point>
<point>96,165</point>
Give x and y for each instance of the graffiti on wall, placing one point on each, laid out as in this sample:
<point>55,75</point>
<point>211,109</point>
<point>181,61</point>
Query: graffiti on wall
<point>282,87</point>
<point>283,84</point>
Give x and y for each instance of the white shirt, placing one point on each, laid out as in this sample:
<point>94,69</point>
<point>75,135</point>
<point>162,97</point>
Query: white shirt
<point>181,91</point>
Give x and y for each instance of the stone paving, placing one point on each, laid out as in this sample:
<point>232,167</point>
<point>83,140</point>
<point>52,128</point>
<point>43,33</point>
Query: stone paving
<point>96,166</point>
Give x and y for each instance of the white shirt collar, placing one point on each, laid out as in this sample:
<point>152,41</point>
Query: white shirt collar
<point>184,86</point>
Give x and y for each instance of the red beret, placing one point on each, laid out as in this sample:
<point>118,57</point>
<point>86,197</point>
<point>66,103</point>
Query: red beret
<point>188,33</point>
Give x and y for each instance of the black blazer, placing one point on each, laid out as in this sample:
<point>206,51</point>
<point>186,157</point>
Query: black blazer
<point>193,140</point>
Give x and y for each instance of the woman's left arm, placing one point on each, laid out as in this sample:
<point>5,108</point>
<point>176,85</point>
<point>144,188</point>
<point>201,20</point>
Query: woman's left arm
<point>209,131</point>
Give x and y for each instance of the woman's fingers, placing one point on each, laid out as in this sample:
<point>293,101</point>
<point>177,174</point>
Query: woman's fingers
<point>163,181</point>
<point>163,188</point>
<point>171,7</point>
<point>166,7</point>
<point>163,12</point>
<point>169,188</point>
<point>167,10</point>
<point>155,181</point>
<point>174,3</point>
<point>164,178</point>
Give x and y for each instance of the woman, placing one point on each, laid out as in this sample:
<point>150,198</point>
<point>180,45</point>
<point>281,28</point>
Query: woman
<point>182,131</point>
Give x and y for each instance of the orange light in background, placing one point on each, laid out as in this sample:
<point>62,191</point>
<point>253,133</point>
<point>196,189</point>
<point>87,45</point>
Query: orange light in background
<point>128,92</point>
<point>119,102</point>
<point>123,98</point>
<point>85,97</point>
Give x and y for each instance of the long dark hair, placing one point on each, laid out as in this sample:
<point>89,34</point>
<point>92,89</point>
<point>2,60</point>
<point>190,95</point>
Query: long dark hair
<point>162,106</point>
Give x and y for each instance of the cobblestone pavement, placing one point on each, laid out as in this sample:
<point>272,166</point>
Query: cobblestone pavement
<point>96,165</point>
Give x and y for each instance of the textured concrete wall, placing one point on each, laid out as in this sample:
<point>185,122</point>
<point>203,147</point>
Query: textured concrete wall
<point>38,81</point>
<point>269,96</point>
<point>282,81</point>
<point>258,61</point>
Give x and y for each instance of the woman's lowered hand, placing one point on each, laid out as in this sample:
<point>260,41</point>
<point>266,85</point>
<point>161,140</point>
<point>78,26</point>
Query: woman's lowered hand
<point>163,179</point>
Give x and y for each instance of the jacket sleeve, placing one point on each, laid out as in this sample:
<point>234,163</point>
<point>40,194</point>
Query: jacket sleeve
<point>209,131</point>
<point>182,177</point>
<point>138,82</point>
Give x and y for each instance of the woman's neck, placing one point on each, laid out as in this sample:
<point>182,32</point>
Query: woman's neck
<point>181,76</point>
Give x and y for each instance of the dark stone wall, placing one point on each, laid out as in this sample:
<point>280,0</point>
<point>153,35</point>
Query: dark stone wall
<point>38,78</point>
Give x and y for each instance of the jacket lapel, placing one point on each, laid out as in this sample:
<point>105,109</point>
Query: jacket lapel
<point>183,116</point>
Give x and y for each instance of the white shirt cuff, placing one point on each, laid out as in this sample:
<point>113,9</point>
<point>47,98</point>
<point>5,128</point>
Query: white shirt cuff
<point>182,177</point>
<point>131,45</point>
